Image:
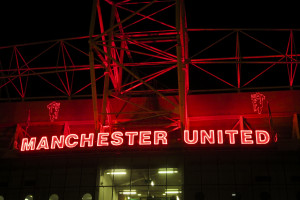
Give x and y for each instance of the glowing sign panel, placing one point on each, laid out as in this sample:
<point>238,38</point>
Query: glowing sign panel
<point>244,137</point>
<point>145,138</point>
<point>102,139</point>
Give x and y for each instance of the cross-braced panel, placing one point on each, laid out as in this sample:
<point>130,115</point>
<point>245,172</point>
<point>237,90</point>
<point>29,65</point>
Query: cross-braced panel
<point>146,49</point>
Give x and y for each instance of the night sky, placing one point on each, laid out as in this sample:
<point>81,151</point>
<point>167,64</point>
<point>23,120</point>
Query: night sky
<point>34,21</point>
<point>29,21</point>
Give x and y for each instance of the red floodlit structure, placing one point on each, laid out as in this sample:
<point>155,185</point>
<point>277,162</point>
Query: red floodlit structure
<point>147,68</point>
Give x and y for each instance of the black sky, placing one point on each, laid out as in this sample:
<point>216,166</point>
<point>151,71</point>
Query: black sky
<point>29,21</point>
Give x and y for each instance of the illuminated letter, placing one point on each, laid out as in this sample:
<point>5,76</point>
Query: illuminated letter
<point>204,136</point>
<point>68,141</point>
<point>187,137</point>
<point>102,139</point>
<point>25,146</point>
<point>231,134</point>
<point>59,142</point>
<point>43,143</point>
<point>131,137</point>
<point>246,137</point>
<point>89,140</point>
<point>144,138</point>
<point>117,138</point>
<point>160,136</point>
<point>220,136</point>
<point>259,139</point>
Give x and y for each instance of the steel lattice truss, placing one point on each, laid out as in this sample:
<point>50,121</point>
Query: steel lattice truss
<point>147,49</point>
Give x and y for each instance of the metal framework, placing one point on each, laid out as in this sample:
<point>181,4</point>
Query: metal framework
<point>148,50</point>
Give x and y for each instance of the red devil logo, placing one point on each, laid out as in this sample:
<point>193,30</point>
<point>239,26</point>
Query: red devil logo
<point>258,102</point>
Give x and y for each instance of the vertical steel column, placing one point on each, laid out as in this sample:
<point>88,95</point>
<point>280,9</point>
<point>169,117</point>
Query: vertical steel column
<point>107,70</point>
<point>181,64</point>
<point>92,69</point>
<point>292,66</point>
<point>186,64</point>
<point>241,122</point>
<point>238,60</point>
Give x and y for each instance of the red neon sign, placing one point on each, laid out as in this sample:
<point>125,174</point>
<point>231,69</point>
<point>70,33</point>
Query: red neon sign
<point>117,138</point>
<point>244,136</point>
<point>145,138</point>
<point>57,142</point>
<point>103,139</point>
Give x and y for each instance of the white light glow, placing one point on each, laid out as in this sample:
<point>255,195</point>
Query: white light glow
<point>152,183</point>
<point>128,192</point>
<point>167,172</point>
<point>172,192</point>
<point>116,173</point>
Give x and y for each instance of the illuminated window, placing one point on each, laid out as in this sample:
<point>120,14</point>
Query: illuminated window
<point>29,197</point>
<point>54,197</point>
<point>141,183</point>
<point>87,196</point>
<point>1,197</point>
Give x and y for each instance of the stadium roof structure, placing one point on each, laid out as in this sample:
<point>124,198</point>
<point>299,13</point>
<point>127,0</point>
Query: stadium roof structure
<point>147,49</point>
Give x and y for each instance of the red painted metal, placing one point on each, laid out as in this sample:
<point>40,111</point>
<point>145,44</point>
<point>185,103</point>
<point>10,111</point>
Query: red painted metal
<point>138,52</point>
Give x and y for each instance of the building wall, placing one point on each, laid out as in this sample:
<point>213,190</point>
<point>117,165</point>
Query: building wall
<point>204,173</point>
<point>213,174</point>
<point>200,106</point>
<point>243,175</point>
